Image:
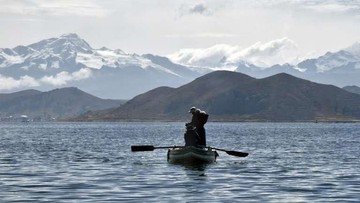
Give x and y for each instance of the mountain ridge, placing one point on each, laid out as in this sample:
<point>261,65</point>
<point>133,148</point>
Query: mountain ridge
<point>54,104</point>
<point>69,60</point>
<point>281,97</point>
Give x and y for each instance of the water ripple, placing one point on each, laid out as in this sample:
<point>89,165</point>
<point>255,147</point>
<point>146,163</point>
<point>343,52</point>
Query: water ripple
<point>92,162</point>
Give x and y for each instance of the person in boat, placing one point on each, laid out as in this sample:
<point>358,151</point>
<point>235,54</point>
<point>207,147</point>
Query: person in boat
<point>191,136</point>
<point>199,119</point>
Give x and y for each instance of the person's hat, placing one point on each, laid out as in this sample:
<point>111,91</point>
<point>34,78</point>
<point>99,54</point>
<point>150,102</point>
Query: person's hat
<point>192,110</point>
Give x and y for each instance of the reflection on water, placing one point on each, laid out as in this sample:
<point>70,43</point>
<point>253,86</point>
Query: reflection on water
<point>92,162</point>
<point>195,171</point>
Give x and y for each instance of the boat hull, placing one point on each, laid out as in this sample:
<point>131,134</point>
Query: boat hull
<point>191,155</point>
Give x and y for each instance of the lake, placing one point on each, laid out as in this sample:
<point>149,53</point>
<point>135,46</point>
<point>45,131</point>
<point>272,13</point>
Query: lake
<point>92,162</point>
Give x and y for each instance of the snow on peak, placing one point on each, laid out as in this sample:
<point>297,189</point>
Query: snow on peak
<point>71,42</point>
<point>70,36</point>
<point>332,60</point>
<point>354,49</point>
<point>113,58</point>
<point>67,52</point>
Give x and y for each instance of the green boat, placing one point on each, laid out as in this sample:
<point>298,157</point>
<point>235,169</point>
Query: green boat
<point>191,155</point>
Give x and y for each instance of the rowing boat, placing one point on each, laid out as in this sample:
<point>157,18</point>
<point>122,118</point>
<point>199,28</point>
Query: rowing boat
<point>191,155</point>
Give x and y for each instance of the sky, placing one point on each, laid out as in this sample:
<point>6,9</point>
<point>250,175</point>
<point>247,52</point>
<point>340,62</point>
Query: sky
<point>189,29</point>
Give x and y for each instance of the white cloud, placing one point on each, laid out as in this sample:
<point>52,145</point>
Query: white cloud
<point>210,57</point>
<point>52,8</point>
<point>82,74</point>
<point>354,49</point>
<point>8,83</point>
<point>278,51</point>
<point>334,6</point>
<point>157,26</point>
<point>63,77</point>
<point>348,7</point>
<point>202,35</point>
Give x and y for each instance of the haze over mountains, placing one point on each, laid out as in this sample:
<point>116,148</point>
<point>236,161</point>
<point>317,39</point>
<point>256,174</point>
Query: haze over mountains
<point>69,60</point>
<point>352,89</point>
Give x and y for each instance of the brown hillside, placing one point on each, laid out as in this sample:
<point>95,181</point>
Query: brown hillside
<point>234,96</point>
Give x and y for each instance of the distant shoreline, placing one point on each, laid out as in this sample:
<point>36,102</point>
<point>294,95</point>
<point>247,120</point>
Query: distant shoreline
<point>180,121</point>
<point>212,121</point>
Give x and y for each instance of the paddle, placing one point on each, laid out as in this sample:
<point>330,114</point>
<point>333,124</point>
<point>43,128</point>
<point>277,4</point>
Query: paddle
<point>143,148</point>
<point>233,153</point>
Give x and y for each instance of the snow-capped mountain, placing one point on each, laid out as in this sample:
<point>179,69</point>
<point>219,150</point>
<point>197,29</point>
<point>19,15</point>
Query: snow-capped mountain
<point>340,68</point>
<point>70,60</point>
<point>329,62</point>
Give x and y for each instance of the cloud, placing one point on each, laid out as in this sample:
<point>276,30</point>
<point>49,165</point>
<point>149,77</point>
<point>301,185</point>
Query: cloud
<point>8,83</point>
<point>350,7</point>
<point>63,77</point>
<point>202,35</point>
<point>354,49</point>
<point>52,8</point>
<point>332,6</point>
<point>197,9</point>
<point>210,57</point>
<point>278,51</point>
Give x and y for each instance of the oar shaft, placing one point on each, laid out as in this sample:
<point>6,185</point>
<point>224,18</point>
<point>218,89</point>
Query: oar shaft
<point>144,148</point>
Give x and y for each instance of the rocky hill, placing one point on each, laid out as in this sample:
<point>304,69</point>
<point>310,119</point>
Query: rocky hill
<point>231,96</point>
<point>58,103</point>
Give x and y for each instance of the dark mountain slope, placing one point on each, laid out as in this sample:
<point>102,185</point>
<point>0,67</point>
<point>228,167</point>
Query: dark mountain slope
<point>25,93</point>
<point>289,98</point>
<point>56,103</point>
<point>234,96</point>
<point>165,102</point>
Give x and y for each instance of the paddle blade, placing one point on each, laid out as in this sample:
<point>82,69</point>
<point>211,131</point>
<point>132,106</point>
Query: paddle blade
<point>142,148</point>
<point>235,153</point>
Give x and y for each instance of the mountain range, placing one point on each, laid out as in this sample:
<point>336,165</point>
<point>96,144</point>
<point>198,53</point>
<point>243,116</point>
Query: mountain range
<point>69,60</point>
<point>54,104</point>
<point>232,96</point>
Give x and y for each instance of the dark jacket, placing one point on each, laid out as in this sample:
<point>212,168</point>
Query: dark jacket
<point>198,120</point>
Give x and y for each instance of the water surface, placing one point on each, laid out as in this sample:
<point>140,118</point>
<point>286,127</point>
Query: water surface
<point>92,162</point>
